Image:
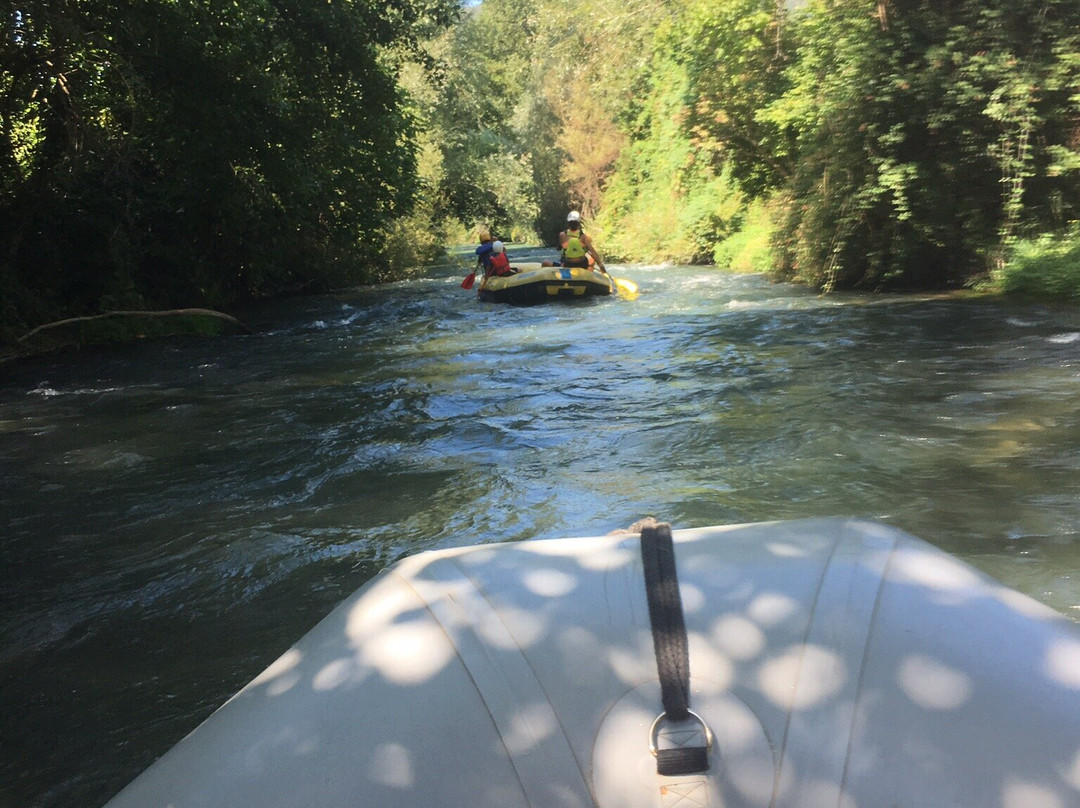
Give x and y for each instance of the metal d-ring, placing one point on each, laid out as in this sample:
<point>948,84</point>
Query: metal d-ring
<point>654,732</point>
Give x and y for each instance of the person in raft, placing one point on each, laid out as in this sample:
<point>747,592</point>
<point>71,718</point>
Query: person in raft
<point>499,263</point>
<point>577,248</point>
<point>483,252</point>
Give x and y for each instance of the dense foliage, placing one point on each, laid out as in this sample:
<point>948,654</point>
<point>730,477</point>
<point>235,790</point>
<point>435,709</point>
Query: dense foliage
<point>896,143</point>
<point>528,112</point>
<point>930,135</point>
<point>194,152</point>
<point>1047,266</point>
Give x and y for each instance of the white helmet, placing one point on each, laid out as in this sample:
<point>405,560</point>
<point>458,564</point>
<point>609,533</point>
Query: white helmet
<point>574,216</point>
<point>497,247</point>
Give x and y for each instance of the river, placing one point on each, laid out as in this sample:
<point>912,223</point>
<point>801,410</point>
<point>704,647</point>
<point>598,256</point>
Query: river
<point>177,513</point>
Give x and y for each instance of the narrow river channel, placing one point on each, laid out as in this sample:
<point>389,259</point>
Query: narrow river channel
<point>177,513</point>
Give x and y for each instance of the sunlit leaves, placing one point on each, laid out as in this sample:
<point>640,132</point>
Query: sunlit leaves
<point>670,197</point>
<point>925,138</point>
<point>734,53</point>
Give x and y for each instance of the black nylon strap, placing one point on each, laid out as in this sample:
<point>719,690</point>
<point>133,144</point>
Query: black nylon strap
<point>677,762</point>
<point>671,647</point>
<point>666,617</point>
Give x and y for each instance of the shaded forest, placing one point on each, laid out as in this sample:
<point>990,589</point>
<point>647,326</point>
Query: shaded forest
<point>192,153</point>
<point>198,153</point>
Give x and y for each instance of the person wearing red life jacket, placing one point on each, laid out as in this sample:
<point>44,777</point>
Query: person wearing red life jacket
<point>498,263</point>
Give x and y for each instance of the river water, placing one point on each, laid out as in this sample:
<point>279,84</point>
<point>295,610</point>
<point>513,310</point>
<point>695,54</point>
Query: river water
<point>177,513</point>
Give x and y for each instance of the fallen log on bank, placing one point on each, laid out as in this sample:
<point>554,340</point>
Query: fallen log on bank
<point>132,314</point>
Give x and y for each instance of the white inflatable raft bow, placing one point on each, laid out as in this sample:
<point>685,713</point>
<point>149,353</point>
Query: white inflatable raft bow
<point>832,663</point>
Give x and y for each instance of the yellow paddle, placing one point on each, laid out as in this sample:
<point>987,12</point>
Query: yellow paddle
<point>626,289</point>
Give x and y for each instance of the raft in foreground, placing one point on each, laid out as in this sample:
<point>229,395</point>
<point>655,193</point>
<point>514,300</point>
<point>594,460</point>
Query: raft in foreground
<point>837,663</point>
<point>534,283</point>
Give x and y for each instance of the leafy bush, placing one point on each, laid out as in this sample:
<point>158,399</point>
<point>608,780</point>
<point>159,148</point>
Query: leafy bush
<point>748,249</point>
<point>1048,266</point>
<point>671,197</point>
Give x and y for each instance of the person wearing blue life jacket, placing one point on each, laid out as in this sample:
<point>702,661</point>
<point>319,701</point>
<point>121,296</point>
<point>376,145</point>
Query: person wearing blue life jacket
<point>576,248</point>
<point>483,252</point>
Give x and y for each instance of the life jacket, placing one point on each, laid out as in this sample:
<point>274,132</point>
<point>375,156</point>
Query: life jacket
<point>483,254</point>
<point>574,249</point>
<point>499,264</point>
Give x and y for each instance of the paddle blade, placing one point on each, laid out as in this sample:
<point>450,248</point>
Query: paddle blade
<point>626,288</point>
<point>470,279</point>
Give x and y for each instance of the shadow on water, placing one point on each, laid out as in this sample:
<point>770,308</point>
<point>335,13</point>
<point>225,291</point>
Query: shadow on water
<point>181,512</point>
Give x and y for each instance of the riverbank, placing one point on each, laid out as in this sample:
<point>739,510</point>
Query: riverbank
<point>120,327</point>
<point>1045,270</point>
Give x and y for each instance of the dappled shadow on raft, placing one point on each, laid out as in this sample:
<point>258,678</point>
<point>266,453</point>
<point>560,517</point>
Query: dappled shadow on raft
<point>838,663</point>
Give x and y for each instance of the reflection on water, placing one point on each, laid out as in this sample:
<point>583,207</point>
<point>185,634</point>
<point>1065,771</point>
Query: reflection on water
<point>177,514</point>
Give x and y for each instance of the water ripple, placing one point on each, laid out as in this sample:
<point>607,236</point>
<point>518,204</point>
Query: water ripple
<point>181,511</point>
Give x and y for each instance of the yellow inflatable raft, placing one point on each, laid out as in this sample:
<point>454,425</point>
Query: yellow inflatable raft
<point>533,283</point>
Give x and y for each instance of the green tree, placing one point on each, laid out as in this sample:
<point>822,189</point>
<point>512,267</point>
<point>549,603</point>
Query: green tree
<point>925,136</point>
<point>697,143</point>
<point>195,152</point>
<point>477,112</point>
<point>734,54</point>
<point>528,115</point>
<point>671,196</point>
